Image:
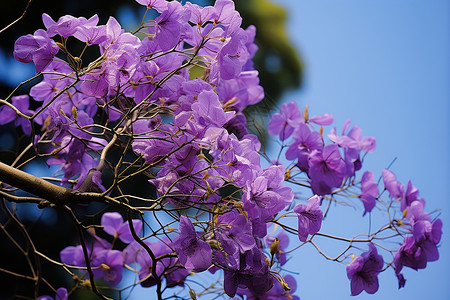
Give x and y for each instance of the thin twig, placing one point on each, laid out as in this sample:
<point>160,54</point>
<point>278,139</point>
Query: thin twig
<point>18,19</point>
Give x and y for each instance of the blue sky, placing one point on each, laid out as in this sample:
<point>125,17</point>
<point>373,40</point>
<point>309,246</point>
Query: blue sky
<point>386,65</point>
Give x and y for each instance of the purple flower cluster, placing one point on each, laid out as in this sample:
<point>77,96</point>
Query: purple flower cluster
<point>172,104</point>
<point>167,267</point>
<point>423,233</point>
<point>420,233</point>
<point>326,166</point>
<point>191,130</point>
<point>105,262</point>
<point>331,169</point>
<point>153,70</point>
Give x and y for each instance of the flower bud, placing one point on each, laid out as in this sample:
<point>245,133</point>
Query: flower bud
<point>86,283</point>
<point>192,294</point>
<point>405,212</point>
<point>74,112</point>
<point>287,174</point>
<point>306,114</point>
<point>209,190</point>
<point>274,247</point>
<point>61,46</point>
<point>170,229</point>
<point>214,244</point>
<point>229,103</point>
<point>285,286</point>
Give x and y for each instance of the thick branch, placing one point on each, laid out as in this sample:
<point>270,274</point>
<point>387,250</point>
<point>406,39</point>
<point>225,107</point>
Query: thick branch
<point>55,194</point>
<point>34,185</point>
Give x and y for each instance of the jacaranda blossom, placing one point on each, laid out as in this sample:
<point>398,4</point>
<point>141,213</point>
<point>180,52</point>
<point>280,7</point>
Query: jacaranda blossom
<point>193,253</point>
<point>61,294</point>
<point>309,217</point>
<point>363,271</point>
<point>114,225</point>
<point>284,122</point>
<point>369,191</point>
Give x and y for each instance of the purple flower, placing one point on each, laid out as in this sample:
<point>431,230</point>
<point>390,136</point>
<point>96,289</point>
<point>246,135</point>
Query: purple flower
<point>232,57</point>
<point>401,280</point>
<point>200,15</point>
<point>105,263</point>
<point>243,90</point>
<point>169,25</point>
<point>237,126</point>
<point>240,159</point>
<point>284,122</point>
<point>326,169</point>
<point>325,119</point>
<point>309,217</point>
<point>353,139</point>
<point>410,255</point>
<point>266,196</point>
<point>38,48</point>
<point>352,143</point>
<point>89,32</point>
<point>116,35</point>
<point>227,15</point>
<point>52,84</point>
<point>168,267</point>
<point>156,145</point>
<point>74,255</point>
<point>159,5</point>
<point>114,225</point>
<point>234,233</point>
<point>277,292</point>
<point>424,230</point>
<point>391,184</point>
<point>65,26</point>
<point>209,110</point>
<point>61,294</point>
<point>77,161</point>
<point>363,271</point>
<point>305,141</point>
<point>94,85</point>
<point>109,266</point>
<point>369,191</point>
<point>410,196</point>
<point>193,253</point>
<point>248,270</point>
<point>421,247</point>
<point>7,114</point>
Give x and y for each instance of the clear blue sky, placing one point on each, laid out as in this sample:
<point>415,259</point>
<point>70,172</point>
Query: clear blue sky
<point>384,64</point>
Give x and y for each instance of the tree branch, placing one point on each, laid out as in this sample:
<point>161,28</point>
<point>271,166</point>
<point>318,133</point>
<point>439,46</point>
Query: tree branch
<point>18,19</point>
<point>55,194</point>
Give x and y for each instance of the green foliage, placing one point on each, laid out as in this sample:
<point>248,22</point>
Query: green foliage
<point>277,59</point>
